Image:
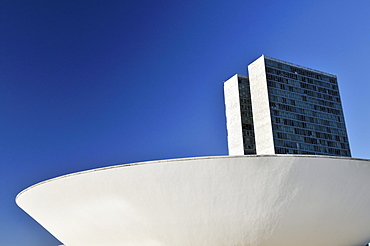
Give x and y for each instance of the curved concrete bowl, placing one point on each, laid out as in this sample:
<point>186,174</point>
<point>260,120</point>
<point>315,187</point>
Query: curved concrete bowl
<point>209,201</point>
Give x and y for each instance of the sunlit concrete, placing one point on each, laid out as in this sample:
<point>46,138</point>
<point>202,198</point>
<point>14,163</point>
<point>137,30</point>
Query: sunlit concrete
<point>279,200</point>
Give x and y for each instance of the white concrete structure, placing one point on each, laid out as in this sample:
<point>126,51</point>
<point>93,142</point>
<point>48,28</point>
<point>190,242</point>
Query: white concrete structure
<point>261,107</point>
<point>233,117</point>
<point>279,200</point>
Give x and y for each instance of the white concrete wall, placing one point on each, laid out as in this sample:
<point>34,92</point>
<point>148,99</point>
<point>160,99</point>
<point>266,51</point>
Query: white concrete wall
<point>282,200</point>
<point>233,117</point>
<point>261,108</point>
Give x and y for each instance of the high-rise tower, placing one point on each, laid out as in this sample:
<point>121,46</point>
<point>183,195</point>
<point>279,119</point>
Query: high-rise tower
<point>283,108</point>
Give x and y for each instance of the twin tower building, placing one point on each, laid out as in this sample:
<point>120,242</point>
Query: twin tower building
<point>283,108</point>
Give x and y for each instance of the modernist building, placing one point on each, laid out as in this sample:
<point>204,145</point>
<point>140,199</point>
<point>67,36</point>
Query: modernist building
<point>283,108</point>
<point>247,200</point>
<point>284,200</point>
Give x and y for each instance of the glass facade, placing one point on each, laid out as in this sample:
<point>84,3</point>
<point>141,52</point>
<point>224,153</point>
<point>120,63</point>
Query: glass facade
<point>246,115</point>
<point>306,111</point>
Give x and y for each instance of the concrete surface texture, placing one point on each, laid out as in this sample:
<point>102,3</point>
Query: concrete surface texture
<point>282,200</point>
<point>261,107</point>
<point>233,117</point>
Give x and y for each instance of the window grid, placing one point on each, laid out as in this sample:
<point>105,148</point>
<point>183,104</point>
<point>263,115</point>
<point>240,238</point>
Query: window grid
<point>306,111</point>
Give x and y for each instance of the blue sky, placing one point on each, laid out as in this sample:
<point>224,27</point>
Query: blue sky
<point>87,84</point>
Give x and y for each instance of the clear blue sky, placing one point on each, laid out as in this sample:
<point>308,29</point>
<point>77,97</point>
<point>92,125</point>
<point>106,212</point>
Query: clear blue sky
<point>87,84</point>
